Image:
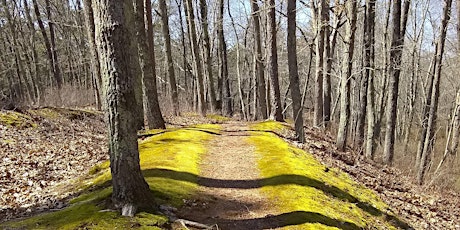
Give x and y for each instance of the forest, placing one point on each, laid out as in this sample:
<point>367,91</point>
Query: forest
<point>229,114</point>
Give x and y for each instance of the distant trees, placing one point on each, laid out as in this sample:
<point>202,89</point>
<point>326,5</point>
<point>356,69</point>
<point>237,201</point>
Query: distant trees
<point>363,75</point>
<point>196,57</point>
<point>347,65</point>
<point>431,107</point>
<point>224,78</point>
<point>259,63</point>
<point>168,51</point>
<point>276,112</point>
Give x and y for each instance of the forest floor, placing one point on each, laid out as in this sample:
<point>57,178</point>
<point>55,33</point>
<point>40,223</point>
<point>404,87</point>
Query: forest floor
<point>234,175</point>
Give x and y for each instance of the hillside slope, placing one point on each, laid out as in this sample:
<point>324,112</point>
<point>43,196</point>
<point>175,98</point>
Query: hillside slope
<point>247,173</point>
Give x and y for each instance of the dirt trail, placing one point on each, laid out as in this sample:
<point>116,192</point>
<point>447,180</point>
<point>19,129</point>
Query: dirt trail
<point>230,192</point>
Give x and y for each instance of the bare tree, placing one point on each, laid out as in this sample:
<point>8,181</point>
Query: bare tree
<point>433,108</point>
<point>196,57</point>
<point>369,66</point>
<point>319,15</point>
<point>50,49</point>
<point>347,65</point>
<point>226,97</point>
<point>207,52</point>
<point>276,108</point>
<point>259,63</point>
<point>396,50</point>
<point>293,70</point>
<point>147,61</point>
<point>95,65</point>
<point>168,53</point>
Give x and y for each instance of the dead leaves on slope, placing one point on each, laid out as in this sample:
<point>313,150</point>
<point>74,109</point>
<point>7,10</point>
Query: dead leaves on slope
<point>37,163</point>
<point>421,208</point>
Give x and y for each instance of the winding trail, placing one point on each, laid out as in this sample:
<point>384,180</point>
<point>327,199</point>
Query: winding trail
<point>230,196</point>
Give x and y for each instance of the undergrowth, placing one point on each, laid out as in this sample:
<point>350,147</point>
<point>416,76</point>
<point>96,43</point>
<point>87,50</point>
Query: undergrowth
<point>312,195</point>
<point>162,151</point>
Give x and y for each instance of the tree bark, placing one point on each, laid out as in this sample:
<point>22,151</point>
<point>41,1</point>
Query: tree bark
<point>226,98</point>
<point>147,61</point>
<point>207,52</point>
<point>276,110</point>
<point>369,58</point>
<point>112,20</point>
<point>260,75</point>
<point>320,19</point>
<point>328,55</point>
<point>397,44</point>
<point>293,70</point>
<point>347,65</point>
<point>95,65</point>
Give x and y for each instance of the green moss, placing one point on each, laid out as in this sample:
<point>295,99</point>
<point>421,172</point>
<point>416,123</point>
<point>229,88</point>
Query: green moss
<point>95,196</point>
<point>89,216</point>
<point>320,198</point>
<point>178,150</point>
<point>98,168</point>
<point>16,119</point>
<point>218,118</point>
<point>169,161</point>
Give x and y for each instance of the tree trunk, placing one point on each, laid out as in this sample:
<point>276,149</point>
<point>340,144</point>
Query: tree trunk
<point>238,68</point>
<point>319,18</point>
<point>226,97</point>
<point>147,61</point>
<point>431,125</point>
<point>369,57</point>
<point>112,20</point>
<point>95,65</point>
<point>383,95</point>
<point>49,50</point>
<point>56,67</point>
<point>397,44</point>
<point>207,52</point>
<point>260,75</point>
<point>168,53</point>
<point>196,57</point>
<point>347,62</point>
<point>327,72</point>
<point>36,68</point>
<point>276,110</point>
<point>293,70</point>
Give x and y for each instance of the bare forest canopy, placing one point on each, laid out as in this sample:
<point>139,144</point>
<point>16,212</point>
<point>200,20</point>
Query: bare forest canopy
<point>381,75</point>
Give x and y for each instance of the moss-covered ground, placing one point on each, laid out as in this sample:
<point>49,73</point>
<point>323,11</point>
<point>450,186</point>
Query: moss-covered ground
<point>309,195</point>
<point>162,151</point>
<point>16,119</point>
<point>305,193</point>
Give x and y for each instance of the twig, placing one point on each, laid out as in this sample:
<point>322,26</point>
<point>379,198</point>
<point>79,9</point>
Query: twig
<point>193,224</point>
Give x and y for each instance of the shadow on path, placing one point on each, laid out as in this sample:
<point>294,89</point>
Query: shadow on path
<point>285,219</point>
<point>274,181</point>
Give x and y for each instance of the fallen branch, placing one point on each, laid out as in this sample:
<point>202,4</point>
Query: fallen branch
<point>194,224</point>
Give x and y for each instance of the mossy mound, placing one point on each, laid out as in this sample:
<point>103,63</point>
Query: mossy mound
<point>71,114</point>
<point>16,119</point>
<point>311,196</point>
<point>164,151</point>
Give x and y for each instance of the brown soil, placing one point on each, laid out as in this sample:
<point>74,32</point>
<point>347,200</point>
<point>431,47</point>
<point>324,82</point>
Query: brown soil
<point>229,196</point>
